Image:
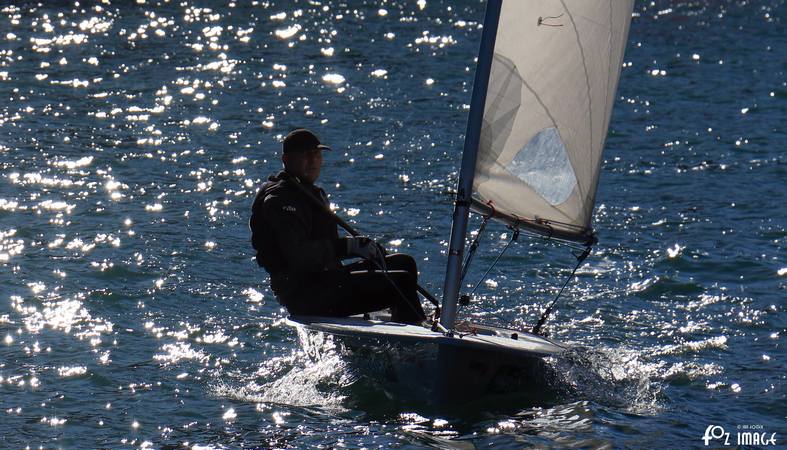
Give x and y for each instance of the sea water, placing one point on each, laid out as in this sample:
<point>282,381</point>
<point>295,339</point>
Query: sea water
<point>133,137</point>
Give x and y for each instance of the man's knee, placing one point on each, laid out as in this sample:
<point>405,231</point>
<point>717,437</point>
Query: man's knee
<point>402,261</point>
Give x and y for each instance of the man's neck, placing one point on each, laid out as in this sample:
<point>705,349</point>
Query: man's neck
<point>301,180</point>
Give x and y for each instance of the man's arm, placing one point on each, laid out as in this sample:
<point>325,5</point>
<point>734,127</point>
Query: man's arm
<point>290,221</point>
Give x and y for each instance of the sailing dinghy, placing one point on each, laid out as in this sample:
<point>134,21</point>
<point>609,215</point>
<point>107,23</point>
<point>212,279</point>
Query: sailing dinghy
<point>542,100</point>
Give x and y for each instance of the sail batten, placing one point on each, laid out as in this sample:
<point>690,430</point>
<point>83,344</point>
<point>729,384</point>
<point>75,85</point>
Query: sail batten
<point>551,88</point>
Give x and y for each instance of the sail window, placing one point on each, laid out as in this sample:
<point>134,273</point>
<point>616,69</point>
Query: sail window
<point>544,165</point>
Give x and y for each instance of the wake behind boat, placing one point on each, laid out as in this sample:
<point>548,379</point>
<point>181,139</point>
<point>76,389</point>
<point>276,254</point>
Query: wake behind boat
<point>542,101</point>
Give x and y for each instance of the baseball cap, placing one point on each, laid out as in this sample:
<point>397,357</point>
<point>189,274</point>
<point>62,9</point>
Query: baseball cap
<point>301,140</point>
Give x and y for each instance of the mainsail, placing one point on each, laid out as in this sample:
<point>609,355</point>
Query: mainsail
<point>552,84</point>
<point>542,99</point>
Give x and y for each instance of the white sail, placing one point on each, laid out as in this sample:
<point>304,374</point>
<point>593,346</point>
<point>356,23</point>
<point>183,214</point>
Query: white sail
<point>549,100</point>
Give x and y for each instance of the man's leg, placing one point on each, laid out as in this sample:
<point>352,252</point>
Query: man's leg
<point>395,289</point>
<point>333,294</point>
<point>396,261</point>
<point>401,261</point>
<point>359,288</point>
<point>403,274</point>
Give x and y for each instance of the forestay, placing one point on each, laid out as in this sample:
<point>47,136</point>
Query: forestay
<point>552,86</point>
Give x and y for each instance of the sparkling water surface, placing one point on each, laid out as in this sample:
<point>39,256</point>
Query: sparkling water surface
<point>133,138</point>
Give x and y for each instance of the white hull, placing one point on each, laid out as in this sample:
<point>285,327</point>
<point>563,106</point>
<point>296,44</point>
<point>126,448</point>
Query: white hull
<point>453,369</point>
<point>487,338</point>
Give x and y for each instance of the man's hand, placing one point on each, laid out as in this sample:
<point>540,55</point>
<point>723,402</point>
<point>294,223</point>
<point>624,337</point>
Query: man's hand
<point>364,247</point>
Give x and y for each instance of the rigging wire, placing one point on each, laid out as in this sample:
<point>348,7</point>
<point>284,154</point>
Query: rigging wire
<point>585,251</point>
<point>514,238</point>
<point>476,240</point>
<point>464,300</point>
<point>548,311</point>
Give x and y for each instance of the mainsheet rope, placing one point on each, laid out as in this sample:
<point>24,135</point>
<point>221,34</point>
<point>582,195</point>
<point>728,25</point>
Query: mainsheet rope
<point>383,268</point>
<point>325,208</point>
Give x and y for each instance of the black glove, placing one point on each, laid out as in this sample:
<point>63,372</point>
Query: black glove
<point>364,247</point>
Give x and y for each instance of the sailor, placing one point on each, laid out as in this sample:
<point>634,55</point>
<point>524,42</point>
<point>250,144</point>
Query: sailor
<point>298,243</point>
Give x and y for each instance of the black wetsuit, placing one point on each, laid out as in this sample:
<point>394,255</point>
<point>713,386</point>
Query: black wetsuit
<point>298,244</point>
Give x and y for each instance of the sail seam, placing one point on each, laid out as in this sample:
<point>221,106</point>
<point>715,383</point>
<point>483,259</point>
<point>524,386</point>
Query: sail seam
<point>582,193</point>
<point>540,102</point>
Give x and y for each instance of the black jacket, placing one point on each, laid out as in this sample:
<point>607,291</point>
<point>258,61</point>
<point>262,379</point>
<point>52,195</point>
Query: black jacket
<point>292,235</point>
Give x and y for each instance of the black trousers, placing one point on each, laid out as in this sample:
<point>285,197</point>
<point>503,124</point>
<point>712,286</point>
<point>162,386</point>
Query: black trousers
<point>359,288</point>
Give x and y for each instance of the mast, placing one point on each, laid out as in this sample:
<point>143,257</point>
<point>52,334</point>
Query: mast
<point>469,156</point>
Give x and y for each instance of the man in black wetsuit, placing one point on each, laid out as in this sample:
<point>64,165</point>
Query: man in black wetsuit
<point>297,242</point>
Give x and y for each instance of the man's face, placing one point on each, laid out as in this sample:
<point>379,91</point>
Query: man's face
<point>305,165</point>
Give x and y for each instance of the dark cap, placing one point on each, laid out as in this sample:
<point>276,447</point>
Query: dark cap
<point>301,140</point>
